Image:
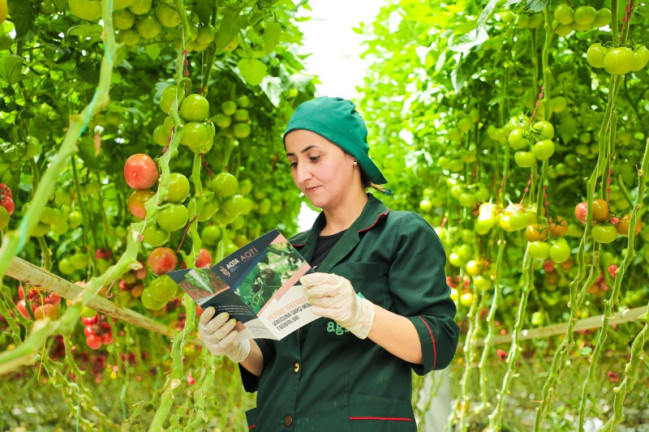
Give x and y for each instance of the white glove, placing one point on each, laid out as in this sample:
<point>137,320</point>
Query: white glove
<point>333,296</point>
<point>220,338</point>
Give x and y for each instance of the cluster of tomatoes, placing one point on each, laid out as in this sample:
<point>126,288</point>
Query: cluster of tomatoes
<point>583,18</point>
<point>7,205</point>
<point>617,60</point>
<point>97,330</point>
<point>37,306</point>
<point>530,143</point>
<point>606,228</point>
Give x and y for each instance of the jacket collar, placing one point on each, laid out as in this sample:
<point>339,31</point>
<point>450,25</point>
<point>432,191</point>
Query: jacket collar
<point>373,212</point>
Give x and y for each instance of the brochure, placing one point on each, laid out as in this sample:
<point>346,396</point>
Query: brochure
<point>259,285</point>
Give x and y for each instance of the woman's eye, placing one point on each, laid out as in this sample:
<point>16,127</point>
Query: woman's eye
<point>293,164</point>
<point>314,158</point>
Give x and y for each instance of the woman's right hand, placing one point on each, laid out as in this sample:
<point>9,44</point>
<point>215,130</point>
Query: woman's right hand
<point>220,337</point>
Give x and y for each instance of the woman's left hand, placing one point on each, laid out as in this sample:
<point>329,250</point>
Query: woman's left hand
<point>333,296</point>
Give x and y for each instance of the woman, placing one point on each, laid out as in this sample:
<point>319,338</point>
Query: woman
<point>379,286</point>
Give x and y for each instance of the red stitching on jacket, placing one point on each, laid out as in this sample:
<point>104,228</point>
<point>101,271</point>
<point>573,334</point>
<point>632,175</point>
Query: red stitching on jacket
<point>375,222</point>
<point>433,338</point>
<point>382,418</point>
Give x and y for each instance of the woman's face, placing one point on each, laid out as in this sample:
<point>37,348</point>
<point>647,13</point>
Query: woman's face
<point>320,169</point>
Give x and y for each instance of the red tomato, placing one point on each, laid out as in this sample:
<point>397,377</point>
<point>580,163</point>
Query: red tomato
<point>623,225</point>
<point>5,191</point>
<point>559,227</point>
<point>89,330</point>
<point>581,210</point>
<point>107,338</point>
<point>8,203</point>
<point>204,259</point>
<point>191,380</point>
<point>22,308</point>
<point>162,260</point>
<point>93,341</point>
<point>90,320</point>
<point>140,171</point>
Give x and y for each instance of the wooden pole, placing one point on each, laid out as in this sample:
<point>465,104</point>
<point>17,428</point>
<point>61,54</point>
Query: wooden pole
<point>30,274</point>
<point>585,324</point>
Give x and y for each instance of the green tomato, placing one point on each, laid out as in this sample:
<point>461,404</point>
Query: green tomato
<point>167,98</point>
<point>516,139</point>
<point>560,251</point>
<point>224,184</point>
<point>123,19</point>
<point>155,236</point>
<point>178,188</point>
<point>595,55</point>
<point>542,150</point>
<point>564,14</point>
<point>640,58</point>
<point>539,250</point>
<point>524,159</point>
<point>195,135</point>
<point>603,18</point>
<point>585,16</point>
<point>241,130</point>
<point>148,27</point>
<point>223,121</point>
<point>162,288</point>
<point>195,108</point>
<point>167,15</point>
<point>211,235</point>
<point>604,233</point>
<point>229,107</point>
<point>618,61</point>
<point>149,302</point>
<point>173,217</point>
<point>544,129</point>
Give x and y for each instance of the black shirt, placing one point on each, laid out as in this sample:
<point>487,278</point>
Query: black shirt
<point>323,247</point>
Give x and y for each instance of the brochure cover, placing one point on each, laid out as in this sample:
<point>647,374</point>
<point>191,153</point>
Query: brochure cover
<point>259,285</point>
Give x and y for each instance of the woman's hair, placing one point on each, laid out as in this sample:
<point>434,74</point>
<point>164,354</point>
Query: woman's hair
<point>367,183</point>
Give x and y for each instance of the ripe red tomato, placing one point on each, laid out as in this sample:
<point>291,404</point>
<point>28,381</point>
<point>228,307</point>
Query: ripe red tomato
<point>8,203</point>
<point>90,320</point>
<point>162,260</point>
<point>22,308</point>
<point>89,330</point>
<point>140,171</point>
<point>93,341</point>
<point>5,191</point>
<point>107,338</point>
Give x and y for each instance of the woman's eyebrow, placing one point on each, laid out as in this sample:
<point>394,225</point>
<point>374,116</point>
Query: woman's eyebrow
<point>303,150</point>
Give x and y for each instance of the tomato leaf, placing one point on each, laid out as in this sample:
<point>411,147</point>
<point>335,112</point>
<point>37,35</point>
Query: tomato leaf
<point>11,68</point>
<point>204,9</point>
<point>153,51</point>
<point>91,31</point>
<point>272,87</point>
<point>536,5</point>
<point>231,23</point>
<point>252,70</point>
<point>23,15</point>
<point>271,36</point>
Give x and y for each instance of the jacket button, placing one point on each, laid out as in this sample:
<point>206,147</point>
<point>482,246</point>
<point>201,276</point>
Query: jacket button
<point>296,367</point>
<point>288,421</point>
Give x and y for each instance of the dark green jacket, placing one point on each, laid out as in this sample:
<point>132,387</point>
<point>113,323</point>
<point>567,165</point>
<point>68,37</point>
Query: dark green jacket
<point>323,378</point>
